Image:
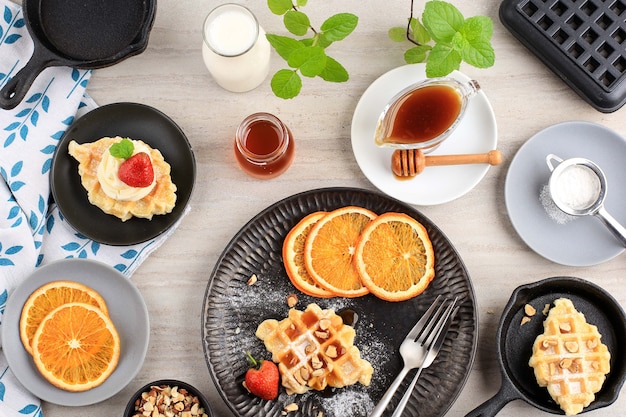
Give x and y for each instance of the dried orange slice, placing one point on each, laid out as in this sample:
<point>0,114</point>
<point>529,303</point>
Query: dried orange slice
<point>48,297</point>
<point>395,257</point>
<point>293,257</point>
<point>329,249</point>
<point>76,347</point>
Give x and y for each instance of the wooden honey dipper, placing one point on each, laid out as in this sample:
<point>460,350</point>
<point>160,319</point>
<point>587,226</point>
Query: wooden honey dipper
<point>410,162</point>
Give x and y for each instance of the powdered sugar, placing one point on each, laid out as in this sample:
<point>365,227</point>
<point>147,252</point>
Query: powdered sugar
<point>348,403</point>
<point>553,211</point>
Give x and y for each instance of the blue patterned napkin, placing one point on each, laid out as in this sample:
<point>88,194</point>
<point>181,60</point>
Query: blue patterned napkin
<point>32,231</point>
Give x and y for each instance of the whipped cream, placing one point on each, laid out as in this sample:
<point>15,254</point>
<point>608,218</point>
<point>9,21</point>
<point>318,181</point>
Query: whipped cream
<point>111,183</point>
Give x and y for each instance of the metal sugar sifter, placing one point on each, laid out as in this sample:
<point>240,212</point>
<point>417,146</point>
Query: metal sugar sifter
<point>578,187</point>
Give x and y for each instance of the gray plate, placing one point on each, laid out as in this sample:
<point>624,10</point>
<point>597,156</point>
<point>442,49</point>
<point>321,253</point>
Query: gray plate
<point>582,241</point>
<point>126,308</point>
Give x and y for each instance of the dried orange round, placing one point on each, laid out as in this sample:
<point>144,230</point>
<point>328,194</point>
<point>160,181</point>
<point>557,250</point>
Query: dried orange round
<point>76,347</point>
<point>48,297</point>
<point>329,249</point>
<point>395,257</point>
<point>293,257</point>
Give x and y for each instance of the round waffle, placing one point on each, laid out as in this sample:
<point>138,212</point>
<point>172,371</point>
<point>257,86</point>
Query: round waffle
<point>160,200</point>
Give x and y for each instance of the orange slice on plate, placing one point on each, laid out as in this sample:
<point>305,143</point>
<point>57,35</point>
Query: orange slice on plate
<point>48,297</point>
<point>76,347</point>
<point>330,247</point>
<point>395,257</point>
<point>293,257</point>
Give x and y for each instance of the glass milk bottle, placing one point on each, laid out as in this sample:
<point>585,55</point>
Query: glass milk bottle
<point>235,49</point>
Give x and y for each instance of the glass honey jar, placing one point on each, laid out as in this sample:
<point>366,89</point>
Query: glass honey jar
<point>264,146</point>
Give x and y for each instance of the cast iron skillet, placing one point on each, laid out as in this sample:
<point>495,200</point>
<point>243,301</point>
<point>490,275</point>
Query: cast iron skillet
<point>84,34</point>
<point>514,342</point>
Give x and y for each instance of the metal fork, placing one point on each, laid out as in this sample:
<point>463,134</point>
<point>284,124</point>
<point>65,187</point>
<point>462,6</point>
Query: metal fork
<point>432,354</point>
<point>416,346</point>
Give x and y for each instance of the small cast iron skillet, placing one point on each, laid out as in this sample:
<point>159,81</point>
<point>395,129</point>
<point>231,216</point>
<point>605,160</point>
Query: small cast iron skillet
<point>514,342</point>
<point>84,34</point>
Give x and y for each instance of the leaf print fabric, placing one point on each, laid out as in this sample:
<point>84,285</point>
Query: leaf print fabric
<point>32,230</point>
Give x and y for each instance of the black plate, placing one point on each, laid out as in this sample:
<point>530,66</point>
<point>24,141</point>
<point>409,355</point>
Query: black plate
<point>136,121</point>
<point>232,311</point>
<point>515,342</point>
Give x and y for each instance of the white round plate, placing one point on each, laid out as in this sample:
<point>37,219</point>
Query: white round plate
<point>477,133</point>
<point>127,311</point>
<point>581,241</point>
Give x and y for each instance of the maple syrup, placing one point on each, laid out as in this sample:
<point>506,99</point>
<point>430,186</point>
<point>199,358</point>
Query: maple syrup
<point>264,146</point>
<point>424,114</point>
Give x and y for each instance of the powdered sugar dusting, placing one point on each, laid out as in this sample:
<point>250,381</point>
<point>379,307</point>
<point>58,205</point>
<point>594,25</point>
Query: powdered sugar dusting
<point>267,297</point>
<point>348,404</point>
<point>550,207</point>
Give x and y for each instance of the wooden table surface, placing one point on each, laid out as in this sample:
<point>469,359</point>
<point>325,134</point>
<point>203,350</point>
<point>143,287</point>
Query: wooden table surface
<point>170,76</point>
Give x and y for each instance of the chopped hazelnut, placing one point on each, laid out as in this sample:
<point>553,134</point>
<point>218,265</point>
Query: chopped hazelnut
<point>292,300</point>
<point>529,310</point>
<point>571,346</point>
<point>291,407</point>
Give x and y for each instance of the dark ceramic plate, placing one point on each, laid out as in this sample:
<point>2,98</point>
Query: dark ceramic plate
<point>136,121</point>
<point>233,310</point>
<point>515,342</point>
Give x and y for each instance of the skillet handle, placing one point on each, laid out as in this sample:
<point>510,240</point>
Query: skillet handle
<point>15,90</point>
<point>492,406</point>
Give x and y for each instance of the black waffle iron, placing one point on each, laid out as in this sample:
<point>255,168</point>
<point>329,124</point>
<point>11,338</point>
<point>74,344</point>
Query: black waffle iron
<point>582,41</point>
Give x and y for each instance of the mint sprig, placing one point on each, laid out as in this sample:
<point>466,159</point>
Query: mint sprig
<point>307,56</point>
<point>444,39</point>
<point>122,149</point>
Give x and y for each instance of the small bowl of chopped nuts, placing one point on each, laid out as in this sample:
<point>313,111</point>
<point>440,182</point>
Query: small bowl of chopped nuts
<point>168,398</point>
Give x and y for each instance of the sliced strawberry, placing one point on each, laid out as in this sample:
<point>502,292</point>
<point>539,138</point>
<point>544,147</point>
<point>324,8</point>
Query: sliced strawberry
<point>137,170</point>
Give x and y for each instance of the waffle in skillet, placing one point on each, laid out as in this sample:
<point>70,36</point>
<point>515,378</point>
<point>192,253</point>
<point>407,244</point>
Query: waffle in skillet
<point>569,358</point>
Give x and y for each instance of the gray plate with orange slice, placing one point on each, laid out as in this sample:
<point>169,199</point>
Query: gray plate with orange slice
<point>126,309</point>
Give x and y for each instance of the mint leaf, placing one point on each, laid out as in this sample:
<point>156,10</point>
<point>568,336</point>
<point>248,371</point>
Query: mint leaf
<point>297,22</point>
<point>479,53</point>
<point>279,7</point>
<point>286,84</point>
<point>420,34</point>
<point>459,42</point>
<point>307,57</point>
<point>284,45</point>
<point>310,60</point>
<point>477,27</point>
<point>397,34</point>
<point>417,54</point>
<point>442,60</point>
<point>339,26</point>
<point>122,149</point>
<point>334,71</point>
<point>442,20</point>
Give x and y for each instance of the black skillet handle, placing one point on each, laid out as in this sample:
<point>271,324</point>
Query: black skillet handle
<point>15,90</point>
<point>492,406</point>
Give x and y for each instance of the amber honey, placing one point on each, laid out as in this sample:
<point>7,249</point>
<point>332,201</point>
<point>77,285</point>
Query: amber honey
<point>425,114</point>
<point>264,146</point>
